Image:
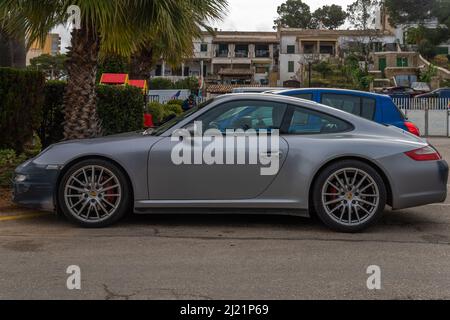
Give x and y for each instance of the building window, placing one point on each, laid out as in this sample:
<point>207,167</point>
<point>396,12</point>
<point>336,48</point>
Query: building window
<point>222,50</point>
<point>291,49</point>
<point>204,47</point>
<point>262,51</point>
<point>241,51</point>
<point>291,66</point>
<point>402,62</point>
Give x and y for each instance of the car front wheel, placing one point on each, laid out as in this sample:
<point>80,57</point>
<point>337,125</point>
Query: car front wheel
<point>349,196</point>
<point>94,194</point>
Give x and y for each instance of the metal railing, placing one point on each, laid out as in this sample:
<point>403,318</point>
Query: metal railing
<point>430,115</point>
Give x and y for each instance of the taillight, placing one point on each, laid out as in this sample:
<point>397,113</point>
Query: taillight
<point>424,154</point>
<point>412,128</point>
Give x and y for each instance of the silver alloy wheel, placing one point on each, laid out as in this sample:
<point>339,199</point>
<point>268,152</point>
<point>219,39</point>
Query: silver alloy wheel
<point>93,193</point>
<point>350,196</point>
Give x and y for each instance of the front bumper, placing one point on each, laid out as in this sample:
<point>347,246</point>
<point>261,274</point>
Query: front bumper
<point>38,189</point>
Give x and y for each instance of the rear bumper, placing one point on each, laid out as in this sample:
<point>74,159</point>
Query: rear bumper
<point>419,183</point>
<point>38,189</point>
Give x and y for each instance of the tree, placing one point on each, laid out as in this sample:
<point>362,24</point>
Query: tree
<point>361,15</point>
<point>409,11</point>
<point>52,66</point>
<point>119,26</point>
<point>12,50</point>
<point>293,14</point>
<point>331,17</point>
<point>441,10</point>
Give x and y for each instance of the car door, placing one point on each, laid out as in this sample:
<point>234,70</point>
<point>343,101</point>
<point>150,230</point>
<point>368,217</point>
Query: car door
<point>233,179</point>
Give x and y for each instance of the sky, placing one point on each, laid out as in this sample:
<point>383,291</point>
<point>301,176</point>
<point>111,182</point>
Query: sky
<point>245,15</point>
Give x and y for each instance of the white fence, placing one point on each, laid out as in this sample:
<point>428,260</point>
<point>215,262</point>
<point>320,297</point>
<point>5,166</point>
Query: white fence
<point>430,115</point>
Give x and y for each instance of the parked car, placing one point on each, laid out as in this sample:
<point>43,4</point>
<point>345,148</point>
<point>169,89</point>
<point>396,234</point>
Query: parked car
<point>438,93</point>
<point>420,87</point>
<point>376,107</point>
<point>342,166</point>
<point>399,92</point>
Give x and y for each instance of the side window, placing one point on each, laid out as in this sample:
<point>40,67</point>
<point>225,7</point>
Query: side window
<point>305,121</point>
<point>244,115</point>
<point>306,96</point>
<point>362,107</point>
<point>368,108</point>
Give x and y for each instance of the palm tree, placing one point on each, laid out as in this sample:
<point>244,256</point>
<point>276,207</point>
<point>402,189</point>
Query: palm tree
<point>107,26</point>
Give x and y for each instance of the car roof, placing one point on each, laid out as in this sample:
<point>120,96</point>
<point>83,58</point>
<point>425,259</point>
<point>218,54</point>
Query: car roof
<point>255,89</point>
<point>333,90</point>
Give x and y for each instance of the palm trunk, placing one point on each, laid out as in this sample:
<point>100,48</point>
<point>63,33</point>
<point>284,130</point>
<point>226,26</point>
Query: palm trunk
<point>142,63</point>
<point>81,119</point>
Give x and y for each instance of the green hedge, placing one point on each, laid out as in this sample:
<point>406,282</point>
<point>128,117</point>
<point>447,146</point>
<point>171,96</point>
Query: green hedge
<point>120,109</point>
<point>52,129</point>
<point>21,102</point>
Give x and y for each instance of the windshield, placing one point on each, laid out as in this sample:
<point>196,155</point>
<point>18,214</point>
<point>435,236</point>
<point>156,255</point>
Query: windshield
<point>169,124</point>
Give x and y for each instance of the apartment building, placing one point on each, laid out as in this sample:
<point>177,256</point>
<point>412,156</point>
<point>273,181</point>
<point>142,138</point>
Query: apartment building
<point>299,47</point>
<point>51,46</point>
<point>229,57</point>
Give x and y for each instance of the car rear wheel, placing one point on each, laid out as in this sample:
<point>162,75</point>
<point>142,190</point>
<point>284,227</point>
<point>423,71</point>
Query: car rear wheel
<point>349,196</point>
<point>94,194</point>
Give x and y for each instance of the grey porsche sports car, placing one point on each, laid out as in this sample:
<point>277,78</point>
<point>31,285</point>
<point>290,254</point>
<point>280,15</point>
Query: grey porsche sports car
<point>313,159</point>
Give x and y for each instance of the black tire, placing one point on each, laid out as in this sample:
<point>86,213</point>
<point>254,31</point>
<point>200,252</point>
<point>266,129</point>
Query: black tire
<point>122,205</point>
<point>327,218</point>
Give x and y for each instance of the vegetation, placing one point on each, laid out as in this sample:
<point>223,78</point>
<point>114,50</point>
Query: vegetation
<point>21,102</point>
<point>9,160</point>
<point>330,17</point>
<point>120,110</point>
<point>360,16</point>
<point>297,14</point>
<point>52,66</point>
<point>161,112</point>
<point>121,27</point>
<point>190,83</point>
<point>428,74</point>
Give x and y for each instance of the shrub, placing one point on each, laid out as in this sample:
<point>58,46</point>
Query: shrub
<point>160,84</point>
<point>161,112</point>
<point>8,162</point>
<point>51,129</point>
<point>156,109</point>
<point>176,101</point>
<point>121,109</point>
<point>174,108</point>
<point>21,102</point>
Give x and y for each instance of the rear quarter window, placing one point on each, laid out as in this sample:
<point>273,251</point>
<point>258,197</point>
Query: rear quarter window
<point>354,104</point>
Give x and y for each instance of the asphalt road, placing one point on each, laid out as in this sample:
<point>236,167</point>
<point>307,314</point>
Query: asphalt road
<point>227,257</point>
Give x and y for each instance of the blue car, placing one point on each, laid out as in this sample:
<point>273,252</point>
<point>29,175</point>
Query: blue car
<point>376,107</point>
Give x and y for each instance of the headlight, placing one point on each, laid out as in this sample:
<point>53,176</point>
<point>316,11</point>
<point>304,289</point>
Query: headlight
<point>20,178</point>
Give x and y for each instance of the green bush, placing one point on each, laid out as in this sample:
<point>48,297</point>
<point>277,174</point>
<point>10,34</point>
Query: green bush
<point>176,101</point>
<point>156,109</point>
<point>21,102</point>
<point>8,162</point>
<point>51,129</point>
<point>160,112</point>
<point>120,109</point>
<point>174,108</point>
<point>160,84</point>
